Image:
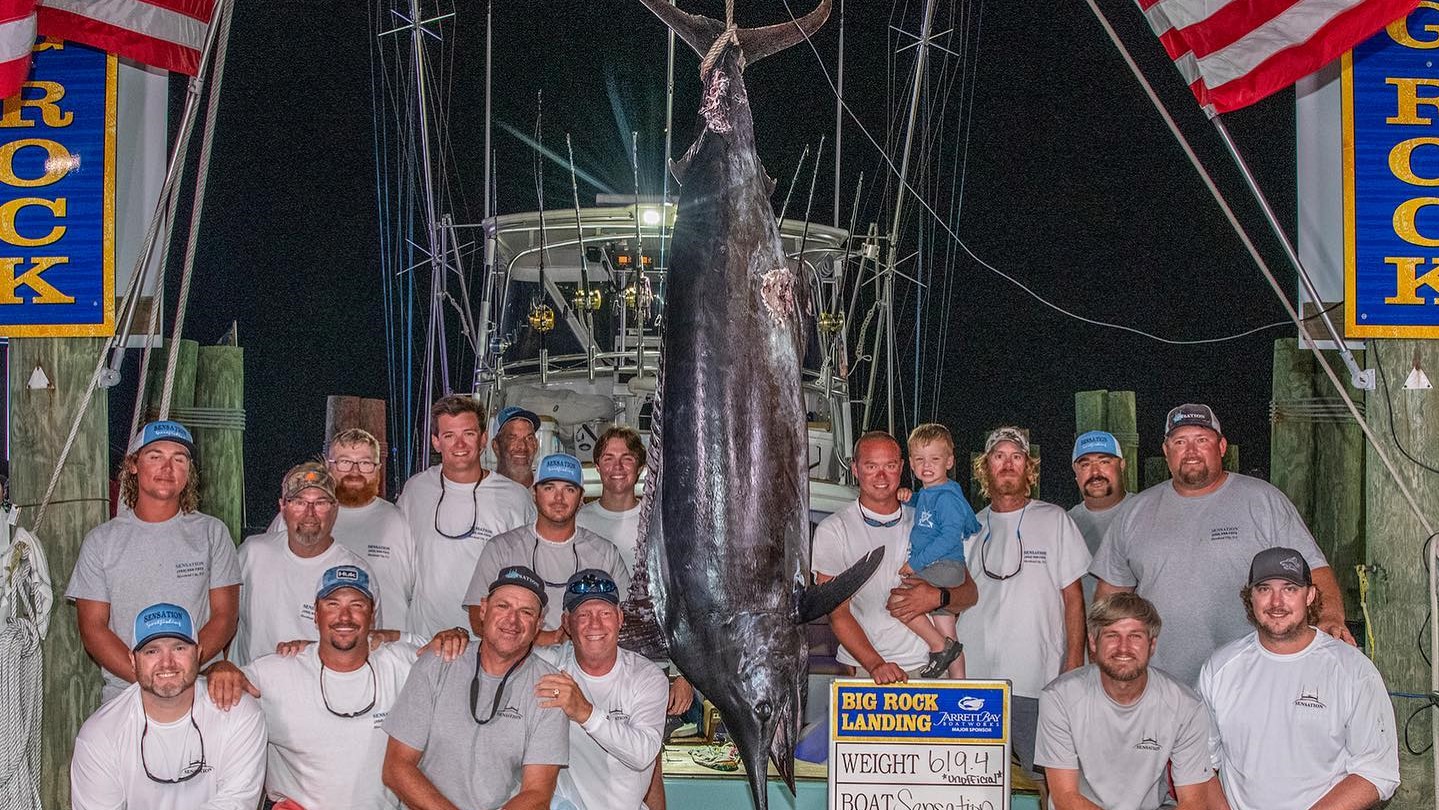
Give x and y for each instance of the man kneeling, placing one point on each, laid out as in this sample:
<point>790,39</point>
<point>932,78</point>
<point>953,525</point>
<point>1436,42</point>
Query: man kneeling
<point>1108,730</point>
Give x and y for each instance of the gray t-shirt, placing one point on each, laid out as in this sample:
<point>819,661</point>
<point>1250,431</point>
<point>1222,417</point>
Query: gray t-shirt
<point>477,767</point>
<point>1190,556</point>
<point>554,562</point>
<point>1093,524</point>
<point>132,564</point>
<point>1121,751</point>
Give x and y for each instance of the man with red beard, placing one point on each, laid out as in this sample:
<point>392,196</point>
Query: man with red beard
<point>1026,561</point>
<point>369,525</point>
<point>1185,545</point>
<point>1108,731</point>
<point>1299,719</point>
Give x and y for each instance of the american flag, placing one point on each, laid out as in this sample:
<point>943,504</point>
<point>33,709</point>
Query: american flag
<point>1236,52</point>
<point>167,34</point>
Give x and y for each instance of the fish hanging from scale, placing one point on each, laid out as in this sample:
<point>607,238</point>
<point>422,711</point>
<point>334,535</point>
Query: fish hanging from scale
<point>724,529</point>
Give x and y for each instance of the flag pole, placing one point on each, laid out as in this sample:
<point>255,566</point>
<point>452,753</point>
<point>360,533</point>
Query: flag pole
<point>1360,378</point>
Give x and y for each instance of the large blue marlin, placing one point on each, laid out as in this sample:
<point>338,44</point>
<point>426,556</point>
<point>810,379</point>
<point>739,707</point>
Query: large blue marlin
<point>725,523</point>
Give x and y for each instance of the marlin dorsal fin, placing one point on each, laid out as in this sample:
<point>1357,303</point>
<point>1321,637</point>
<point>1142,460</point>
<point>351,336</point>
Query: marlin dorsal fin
<point>700,32</point>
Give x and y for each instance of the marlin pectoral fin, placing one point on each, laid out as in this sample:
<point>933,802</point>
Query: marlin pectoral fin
<point>757,43</point>
<point>819,600</point>
<point>697,32</point>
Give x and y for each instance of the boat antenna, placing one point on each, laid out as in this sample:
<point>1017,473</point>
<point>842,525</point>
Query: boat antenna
<point>542,316</point>
<point>784,207</point>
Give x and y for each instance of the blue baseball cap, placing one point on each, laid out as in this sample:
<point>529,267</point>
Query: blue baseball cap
<point>162,620</point>
<point>560,467</point>
<point>344,576</point>
<point>164,431</point>
<point>516,412</point>
<point>1096,441</point>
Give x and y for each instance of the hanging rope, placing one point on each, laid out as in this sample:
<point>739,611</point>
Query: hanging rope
<point>212,109</point>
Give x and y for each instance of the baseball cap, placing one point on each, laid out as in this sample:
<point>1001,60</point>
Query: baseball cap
<point>591,583</point>
<point>1006,434</point>
<point>309,475</point>
<point>1096,441</point>
<point>344,576</point>
<point>516,412</point>
<point>162,431</point>
<point>1279,563</point>
<point>1191,414</point>
<point>523,576</point>
<point>560,467</point>
<point>162,620</point>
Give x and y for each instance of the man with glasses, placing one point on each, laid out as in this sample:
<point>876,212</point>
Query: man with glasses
<point>323,706</point>
<point>470,732</point>
<point>516,444</point>
<point>615,700</point>
<point>453,509</point>
<point>871,636</point>
<point>369,525</point>
<point>279,569</point>
<point>1027,562</point>
<point>160,546</point>
<point>554,547</point>
<point>163,744</point>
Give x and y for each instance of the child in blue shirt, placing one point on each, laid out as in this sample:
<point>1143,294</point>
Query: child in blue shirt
<point>942,520</point>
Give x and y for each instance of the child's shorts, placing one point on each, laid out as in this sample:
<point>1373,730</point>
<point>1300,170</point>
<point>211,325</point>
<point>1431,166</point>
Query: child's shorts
<point>944,574</point>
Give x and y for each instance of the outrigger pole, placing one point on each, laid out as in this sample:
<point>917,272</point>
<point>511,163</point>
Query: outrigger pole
<point>1358,377</point>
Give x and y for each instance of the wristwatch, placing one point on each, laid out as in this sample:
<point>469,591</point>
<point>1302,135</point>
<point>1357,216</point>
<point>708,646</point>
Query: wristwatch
<point>943,598</point>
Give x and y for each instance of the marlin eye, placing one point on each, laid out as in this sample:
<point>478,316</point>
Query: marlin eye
<point>763,710</point>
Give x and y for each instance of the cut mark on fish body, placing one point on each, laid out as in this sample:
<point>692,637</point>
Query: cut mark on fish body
<point>715,107</point>
<point>777,290</point>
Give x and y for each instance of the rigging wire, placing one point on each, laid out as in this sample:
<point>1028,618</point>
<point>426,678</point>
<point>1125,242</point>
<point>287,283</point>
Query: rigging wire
<point>884,157</point>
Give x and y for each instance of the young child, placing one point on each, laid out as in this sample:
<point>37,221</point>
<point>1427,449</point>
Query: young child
<point>943,519</point>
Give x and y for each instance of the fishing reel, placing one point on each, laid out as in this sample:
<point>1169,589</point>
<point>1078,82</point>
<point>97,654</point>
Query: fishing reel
<point>542,318</point>
<point>637,299</point>
<point>829,323</point>
<point>588,301</point>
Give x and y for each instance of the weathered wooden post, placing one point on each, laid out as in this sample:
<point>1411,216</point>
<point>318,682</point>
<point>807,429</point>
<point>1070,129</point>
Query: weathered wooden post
<point>1124,424</point>
<point>1231,458</point>
<point>1399,582</point>
<point>218,422</point>
<point>1291,433</point>
<point>1156,471</point>
<point>345,412</point>
<point>182,392</point>
<point>1338,519</point>
<point>1091,411</point>
<point>42,418</point>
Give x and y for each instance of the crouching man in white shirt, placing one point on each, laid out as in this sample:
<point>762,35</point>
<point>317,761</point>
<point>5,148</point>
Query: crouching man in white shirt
<point>161,744</point>
<point>1300,719</point>
<point>325,704</point>
<point>615,700</point>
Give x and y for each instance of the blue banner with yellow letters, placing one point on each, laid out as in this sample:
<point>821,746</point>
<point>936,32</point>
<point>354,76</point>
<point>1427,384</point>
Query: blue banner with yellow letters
<point>924,710</point>
<point>57,196</point>
<point>1391,180</point>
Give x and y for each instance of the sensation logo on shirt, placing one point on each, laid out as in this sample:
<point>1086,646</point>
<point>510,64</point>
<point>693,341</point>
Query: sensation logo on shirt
<point>192,568</point>
<point>511,712</point>
<point>620,715</point>
<point>1309,698</point>
<point>1223,534</point>
<point>1147,743</point>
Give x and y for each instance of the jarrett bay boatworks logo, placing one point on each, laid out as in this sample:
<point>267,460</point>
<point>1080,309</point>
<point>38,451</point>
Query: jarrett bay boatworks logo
<point>971,703</point>
<point>1309,698</point>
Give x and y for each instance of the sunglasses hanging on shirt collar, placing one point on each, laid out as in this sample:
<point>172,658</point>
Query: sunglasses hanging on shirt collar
<point>187,772</point>
<point>877,523</point>
<point>474,515</point>
<point>374,695</point>
<point>984,548</point>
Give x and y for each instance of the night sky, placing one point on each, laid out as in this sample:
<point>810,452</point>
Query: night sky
<point>1070,182</point>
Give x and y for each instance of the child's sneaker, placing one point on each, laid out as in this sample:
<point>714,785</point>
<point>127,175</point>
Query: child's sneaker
<point>940,660</point>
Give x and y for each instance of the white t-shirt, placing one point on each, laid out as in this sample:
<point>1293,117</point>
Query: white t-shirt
<point>612,755</point>
<point>1286,728</point>
<point>554,562</point>
<point>446,564</point>
<point>378,532</point>
<point>319,760</point>
<point>840,541</point>
<point>620,528</point>
<point>106,772</point>
<point>1017,629</point>
<point>277,593</point>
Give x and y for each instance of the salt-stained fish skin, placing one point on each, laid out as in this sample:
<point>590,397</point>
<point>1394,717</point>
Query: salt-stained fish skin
<point>724,548</point>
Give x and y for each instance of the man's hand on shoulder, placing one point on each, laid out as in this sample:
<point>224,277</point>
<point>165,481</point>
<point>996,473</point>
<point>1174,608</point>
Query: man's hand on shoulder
<point>1338,629</point>
<point>448,644</point>
<point>226,684</point>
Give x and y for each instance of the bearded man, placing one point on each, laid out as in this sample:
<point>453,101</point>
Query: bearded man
<point>1109,731</point>
<point>1026,561</point>
<point>370,526</point>
<point>1185,545</point>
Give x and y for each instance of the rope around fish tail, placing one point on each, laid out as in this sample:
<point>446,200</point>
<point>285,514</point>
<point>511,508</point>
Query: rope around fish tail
<point>730,35</point>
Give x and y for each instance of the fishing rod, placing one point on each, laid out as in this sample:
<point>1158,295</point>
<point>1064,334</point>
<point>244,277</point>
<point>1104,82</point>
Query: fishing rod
<point>542,316</point>
<point>585,301</point>
<point>793,179</point>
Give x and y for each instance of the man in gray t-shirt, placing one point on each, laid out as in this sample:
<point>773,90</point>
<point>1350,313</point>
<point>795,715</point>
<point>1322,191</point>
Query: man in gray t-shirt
<point>158,549</point>
<point>1185,545</point>
<point>471,730</point>
<point>1098,464</point>
<point>1108,731</point>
